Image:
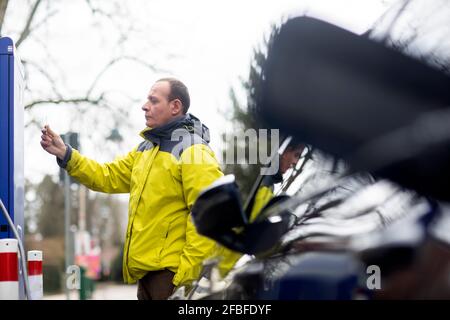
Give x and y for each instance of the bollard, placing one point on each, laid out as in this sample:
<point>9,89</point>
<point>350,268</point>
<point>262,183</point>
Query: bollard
<point>35,277</point>
<point>9,271</point>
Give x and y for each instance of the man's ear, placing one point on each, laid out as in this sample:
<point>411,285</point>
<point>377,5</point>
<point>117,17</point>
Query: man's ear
<point>177,107</point>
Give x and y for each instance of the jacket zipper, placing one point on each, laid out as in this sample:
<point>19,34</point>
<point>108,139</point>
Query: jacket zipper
<point>131,225</point>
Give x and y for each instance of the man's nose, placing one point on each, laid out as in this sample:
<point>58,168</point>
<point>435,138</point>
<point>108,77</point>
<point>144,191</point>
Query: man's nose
<point>145,106</point>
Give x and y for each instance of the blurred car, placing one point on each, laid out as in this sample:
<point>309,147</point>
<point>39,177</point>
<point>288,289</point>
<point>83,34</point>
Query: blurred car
<point>366,216</point>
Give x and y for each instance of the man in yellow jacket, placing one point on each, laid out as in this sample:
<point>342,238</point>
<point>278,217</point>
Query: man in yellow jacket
<point>163,175</point>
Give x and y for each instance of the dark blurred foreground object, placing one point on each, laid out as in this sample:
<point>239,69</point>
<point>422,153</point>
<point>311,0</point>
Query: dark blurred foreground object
<point>380,110</point>
<point>218,214</point>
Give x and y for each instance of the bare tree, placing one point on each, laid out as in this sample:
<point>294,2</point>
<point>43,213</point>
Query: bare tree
<point>418,28</point>
<point>3,6</point>
<point>56,92</point>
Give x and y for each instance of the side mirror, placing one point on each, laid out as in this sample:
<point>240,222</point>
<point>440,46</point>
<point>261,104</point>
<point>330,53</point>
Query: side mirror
<point>218,208</point>
<point>219,215</point>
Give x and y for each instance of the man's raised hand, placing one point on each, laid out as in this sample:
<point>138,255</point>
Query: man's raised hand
<point>52,142</point>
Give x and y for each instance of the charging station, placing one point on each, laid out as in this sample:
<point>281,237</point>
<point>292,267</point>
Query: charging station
<point>11,141</point>
<point>12,191</point>
<point>11,138</point>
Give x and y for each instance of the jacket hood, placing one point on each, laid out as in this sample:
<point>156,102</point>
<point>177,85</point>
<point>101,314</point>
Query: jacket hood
<point>189,122</point>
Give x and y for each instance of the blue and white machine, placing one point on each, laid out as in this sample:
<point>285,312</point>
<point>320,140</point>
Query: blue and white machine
<point>12,143</point>
<point>11,138</point>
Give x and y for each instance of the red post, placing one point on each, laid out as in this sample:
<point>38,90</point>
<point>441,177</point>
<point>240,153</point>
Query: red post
<point>9,270</point>
<point>35,278</point>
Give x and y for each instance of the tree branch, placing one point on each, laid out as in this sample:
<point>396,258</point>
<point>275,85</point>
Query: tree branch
<point>95,10</point>
<point>3,7</point>
<point>33,122</point>
<point>45,74</point>
<point>50,55</point>
<point>114,61</point>
<point>394,21</point>
<point>45,19</point>
<point>59,101</point>
<point>26,30</point>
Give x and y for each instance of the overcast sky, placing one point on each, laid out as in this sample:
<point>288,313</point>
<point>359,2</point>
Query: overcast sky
<point>207,44</point>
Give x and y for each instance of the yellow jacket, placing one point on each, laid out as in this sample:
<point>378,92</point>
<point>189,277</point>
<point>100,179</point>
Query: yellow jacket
<point>163,175</point>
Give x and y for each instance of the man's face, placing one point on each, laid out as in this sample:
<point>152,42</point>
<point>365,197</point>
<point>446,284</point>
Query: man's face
<point>289,158</point>
<point>158,109</point>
